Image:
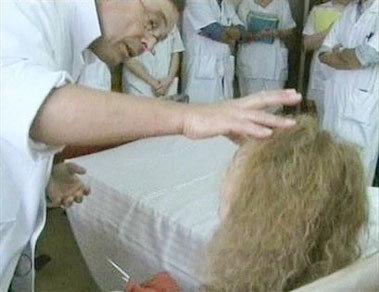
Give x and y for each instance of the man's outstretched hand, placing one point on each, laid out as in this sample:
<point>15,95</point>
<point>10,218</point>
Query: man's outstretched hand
<point>241,118</point>
<point>65,187</point>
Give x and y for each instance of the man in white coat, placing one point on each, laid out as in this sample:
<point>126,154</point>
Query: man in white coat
<point>210,29</point>
<point>313,38</point>
<point>42,109</point>
<point>153,74</point>
<point>351,51</point>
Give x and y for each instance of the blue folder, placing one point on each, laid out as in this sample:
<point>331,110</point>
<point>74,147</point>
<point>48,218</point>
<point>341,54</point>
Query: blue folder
<point>257,23</point>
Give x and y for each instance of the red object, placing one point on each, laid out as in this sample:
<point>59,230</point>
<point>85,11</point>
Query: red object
<point>161,282</point>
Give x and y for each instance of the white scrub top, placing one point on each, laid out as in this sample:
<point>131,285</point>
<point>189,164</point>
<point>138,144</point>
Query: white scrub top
<point>41,49</point>
<point>317,79</point>
<point>258,60</point>
<point>208,66</point>
<point>95,73</point>
<point>157,64</point>
<point>351,96</point>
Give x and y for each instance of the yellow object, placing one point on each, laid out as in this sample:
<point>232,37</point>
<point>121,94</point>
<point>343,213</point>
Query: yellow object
<point>324,18</point>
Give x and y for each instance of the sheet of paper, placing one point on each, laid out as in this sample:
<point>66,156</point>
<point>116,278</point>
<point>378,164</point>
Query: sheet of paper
<point>324,18</point>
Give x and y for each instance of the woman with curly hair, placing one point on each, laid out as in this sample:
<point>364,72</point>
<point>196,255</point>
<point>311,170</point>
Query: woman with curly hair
<point>292,208</point>
<point>291,211</point>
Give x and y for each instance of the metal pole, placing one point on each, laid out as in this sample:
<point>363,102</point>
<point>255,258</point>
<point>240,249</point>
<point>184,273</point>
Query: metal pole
<point>300,82</point>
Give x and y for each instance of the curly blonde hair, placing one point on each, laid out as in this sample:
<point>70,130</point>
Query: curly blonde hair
<point>296,205</point>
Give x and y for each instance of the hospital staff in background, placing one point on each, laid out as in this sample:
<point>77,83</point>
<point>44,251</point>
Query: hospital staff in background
<point>154,74</point>
<point>211,29</point>
<point>319,23</point>
<point>263,64</point>
<point>42,108</point>
<point>351,51</point>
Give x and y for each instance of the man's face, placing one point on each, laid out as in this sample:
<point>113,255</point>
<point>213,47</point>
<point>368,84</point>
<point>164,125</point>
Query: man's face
<point>132,26</point>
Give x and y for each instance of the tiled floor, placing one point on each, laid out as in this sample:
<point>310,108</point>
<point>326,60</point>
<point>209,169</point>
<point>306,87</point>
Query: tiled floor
<point>67,270</point>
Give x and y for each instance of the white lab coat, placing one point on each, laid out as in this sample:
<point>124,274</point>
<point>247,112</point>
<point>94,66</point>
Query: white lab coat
<point>317,79</point>
<point>42,43</point>
<point>208,66</point>
<point>96,73</point>
<point>157,64</point>
<point>260,64</point>
<point>351,96</point>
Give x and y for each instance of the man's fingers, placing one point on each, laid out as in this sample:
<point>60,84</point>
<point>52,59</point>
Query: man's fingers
<point>79,196</point>
<point>272,121</point>
<point>267,99</point>
<point>86,190</point>
<point>75,169</point>
<point>68,202</point>
<point>249,129</point>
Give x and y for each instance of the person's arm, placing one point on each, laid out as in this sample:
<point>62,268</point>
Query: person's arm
<point>286,31</point>
<point>74,115</point>
<point>138,69</point>
<point>351,59</point>
<point>220,33</point>
<point>174,67</point>
<point>314,42</point>
<point>288,37</point>
<point>343,60</point>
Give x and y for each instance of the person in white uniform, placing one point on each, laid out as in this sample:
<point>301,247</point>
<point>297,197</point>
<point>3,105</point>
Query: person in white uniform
<point>42,108</point>
<point>153,74</point>
<point>351,52</point>
<point>318,25</point>
<point>96,73</point>
<point>263,64</point>
<point>210,30</point>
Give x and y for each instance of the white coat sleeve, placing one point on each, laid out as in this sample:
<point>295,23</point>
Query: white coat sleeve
<point>177,43</point>
<point>332,38</point>
<point>309,28</point>
<point>199,13</point>
<point>234,16</point>
<point>368,53</point>
<point>374,40</point>
<point>286,22</point>
<point>28,77</point>
<point>96,73</point>
<point>243,10</point>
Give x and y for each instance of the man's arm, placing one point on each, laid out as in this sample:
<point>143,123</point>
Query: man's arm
<point>174,64</point>
<point>344,60</point>
<point>174,67</point>
<point>360,57</point>
<point>74,115</point>
<point>138,69</point>
<point>288,37</point>
<point>314,42</point>
<point>224,34</point>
